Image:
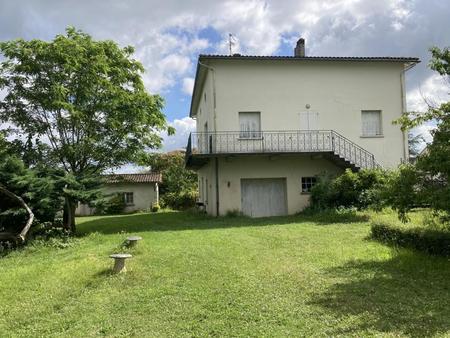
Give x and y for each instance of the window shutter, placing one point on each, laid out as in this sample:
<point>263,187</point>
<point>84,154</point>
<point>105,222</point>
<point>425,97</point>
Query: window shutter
<point>250,124</point>
<point>371,123</point>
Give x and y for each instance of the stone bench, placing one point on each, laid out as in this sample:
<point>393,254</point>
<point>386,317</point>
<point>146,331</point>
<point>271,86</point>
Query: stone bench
<point>119,262</point>
<point>132,240</point>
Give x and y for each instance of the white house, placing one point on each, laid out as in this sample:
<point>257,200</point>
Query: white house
<point>139,191</point>
<point>268,125</point>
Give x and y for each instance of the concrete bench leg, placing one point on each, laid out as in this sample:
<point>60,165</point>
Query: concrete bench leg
<point>119,265</point>
<point>119,262</point>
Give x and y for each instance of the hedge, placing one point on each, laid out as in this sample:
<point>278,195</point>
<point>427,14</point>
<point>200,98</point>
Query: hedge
<point>431,241</point>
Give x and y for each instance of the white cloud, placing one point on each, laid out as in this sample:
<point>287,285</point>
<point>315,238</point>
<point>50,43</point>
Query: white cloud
<point>188,85</point>
<point>432,92</point>
<point>424,130</point>
<point>183,128</point>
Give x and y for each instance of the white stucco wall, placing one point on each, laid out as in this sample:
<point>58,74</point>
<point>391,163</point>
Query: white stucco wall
<point>144,194</point>
<point>293,168</point>
<point>338,91</point>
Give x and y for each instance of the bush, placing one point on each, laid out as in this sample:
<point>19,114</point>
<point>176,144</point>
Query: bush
<point>429,240</point>
<point>115,205</point>
<point>155,207</point>
<point>180,200</point>
<point>349,190</point>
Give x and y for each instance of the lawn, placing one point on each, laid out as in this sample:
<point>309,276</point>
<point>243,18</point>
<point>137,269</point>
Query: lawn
<point>198,276</point>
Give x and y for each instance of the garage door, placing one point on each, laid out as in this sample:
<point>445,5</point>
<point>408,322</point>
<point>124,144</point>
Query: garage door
<point>263,197</point>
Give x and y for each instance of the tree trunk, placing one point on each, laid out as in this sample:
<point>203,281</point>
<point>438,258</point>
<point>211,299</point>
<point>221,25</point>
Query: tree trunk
<point>22,203</point>
<point>69,214</point>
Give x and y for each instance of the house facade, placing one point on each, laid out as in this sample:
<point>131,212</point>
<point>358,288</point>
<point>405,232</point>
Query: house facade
<point>268,125</point>
<point>139,191</point>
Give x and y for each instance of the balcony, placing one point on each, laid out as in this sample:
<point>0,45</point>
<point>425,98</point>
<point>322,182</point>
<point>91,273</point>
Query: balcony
<point>201,146</point>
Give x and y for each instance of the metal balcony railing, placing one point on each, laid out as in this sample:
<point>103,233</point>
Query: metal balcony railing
<point>297,141</point>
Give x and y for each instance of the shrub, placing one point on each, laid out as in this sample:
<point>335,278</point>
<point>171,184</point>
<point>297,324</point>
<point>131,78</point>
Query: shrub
<point>180,200</point>
<point>115,205</point>
<point>155,207</point>
<point>431,241</point>
<point>349,190</point>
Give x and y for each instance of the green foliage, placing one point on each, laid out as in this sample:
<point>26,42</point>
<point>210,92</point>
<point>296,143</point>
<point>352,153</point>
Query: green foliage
<point>155,207</point>
<point>52,235</point>
<point>115,205</point>
<point>429,182</point>
<point>429,240</point>
<point>402,191</point>
<point>40,187</point>
<point>181,200</point>
<point>87,98</point>
<point>179,185</point>
<point>349,190</point>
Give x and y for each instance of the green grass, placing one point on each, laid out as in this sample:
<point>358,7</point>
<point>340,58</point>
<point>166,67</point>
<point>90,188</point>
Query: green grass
<point>198,276</point>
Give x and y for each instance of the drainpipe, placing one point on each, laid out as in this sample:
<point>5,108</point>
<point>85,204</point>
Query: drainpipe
<point>217,186</point>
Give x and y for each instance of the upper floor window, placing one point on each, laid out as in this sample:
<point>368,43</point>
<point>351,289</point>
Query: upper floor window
<point>371,123</point>
<point>250,124</point>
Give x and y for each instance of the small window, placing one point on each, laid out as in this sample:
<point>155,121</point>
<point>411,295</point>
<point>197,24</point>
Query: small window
<point>308,183</point>
<point>250,124</point>
<point>204,96</point>
<point>371,123</point>
<point>129,198</point>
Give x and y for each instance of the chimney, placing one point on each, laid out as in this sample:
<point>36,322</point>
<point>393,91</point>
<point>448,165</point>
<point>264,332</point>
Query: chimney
<point>300,48</point>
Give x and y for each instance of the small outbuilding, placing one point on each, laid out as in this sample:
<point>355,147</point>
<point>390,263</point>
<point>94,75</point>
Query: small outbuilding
<point>139,191</point>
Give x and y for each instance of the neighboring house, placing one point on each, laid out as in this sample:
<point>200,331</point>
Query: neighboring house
<point>268,125</point>
<point>139,191</point>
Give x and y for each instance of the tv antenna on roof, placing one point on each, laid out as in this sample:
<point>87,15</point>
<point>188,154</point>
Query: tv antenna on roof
<point>231,42</point>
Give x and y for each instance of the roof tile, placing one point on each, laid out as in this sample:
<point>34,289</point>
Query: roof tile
<point>134,178</point>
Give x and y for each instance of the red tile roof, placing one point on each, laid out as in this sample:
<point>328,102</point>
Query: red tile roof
<point>134,178</point>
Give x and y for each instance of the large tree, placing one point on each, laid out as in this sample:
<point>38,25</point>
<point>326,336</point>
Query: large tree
<point>86,99</point>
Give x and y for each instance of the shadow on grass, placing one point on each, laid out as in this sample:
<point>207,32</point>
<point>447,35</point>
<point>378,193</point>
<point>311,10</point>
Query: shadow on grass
<point>407,295</point>
<point>175,221</point>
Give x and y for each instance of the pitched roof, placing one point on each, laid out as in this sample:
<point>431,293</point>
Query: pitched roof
<point>134,178</point>
<point>312,58</point>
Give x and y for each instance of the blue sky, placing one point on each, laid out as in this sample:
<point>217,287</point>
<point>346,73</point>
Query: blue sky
<point>168,36</point>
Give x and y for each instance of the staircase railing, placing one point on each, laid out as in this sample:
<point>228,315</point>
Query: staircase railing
<point>296,141</point>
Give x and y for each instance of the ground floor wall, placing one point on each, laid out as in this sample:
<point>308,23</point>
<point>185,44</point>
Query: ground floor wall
<point>231,170</point>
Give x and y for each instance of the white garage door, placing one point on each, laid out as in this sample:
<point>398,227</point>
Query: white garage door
<point>263,197</point>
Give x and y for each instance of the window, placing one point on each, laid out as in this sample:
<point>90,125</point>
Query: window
<point>250,124</point>
<point>371,123</point>
<point>308,183</point>
<point>204,96</point>
<point>128,197</point>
